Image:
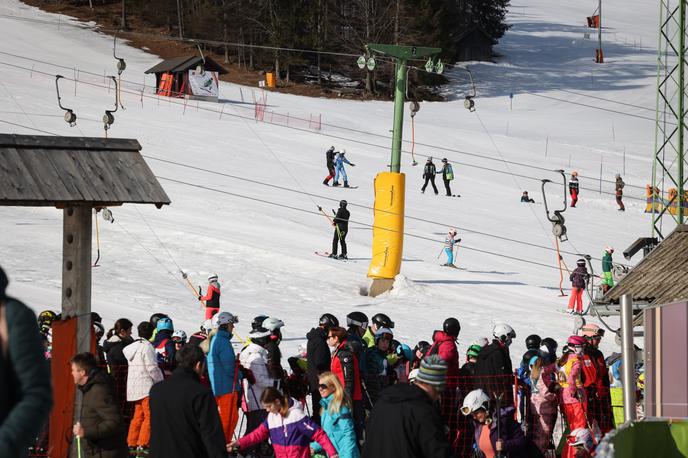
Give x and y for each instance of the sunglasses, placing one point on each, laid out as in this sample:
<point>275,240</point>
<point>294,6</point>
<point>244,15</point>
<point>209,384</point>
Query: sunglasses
<point>322,386</point>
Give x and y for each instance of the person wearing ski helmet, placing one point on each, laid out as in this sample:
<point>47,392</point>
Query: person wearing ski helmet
<point>154,318</point>
<point>377,366</point>
<point>379,320</point>
<point>607,264</point>
<point>405,358</point>
<point>274,325</point>
<point>599,393</point>
<point>429,172</point>
<point>496,431</point>
<point>532,349</point>
<point>179,338</point>
<point>200,336</point>
<point>45,321</point>
<point>339,161</point>
<point>318,357</point>
<point>579,279</point>
<point>533,342</point>
<point>357,323</point>
<point>548,349</point>
<point>329,163</point>
<point>444,346</point>
<point>258,322</point>
<point>449,241</point>
<point>573,188</point>
<point>618,188</point>
<point>543,401</point>
<point>572,395</point>
<point>341,229</point>
<point>468,369</point>
<point>223,371</point>
<point>447,175</point>
<point>419,352</point>
<point>494,361</point>
<point>346,367</point>
<point>99,330</point>
<point>212,297</point>
<point>164,346</point>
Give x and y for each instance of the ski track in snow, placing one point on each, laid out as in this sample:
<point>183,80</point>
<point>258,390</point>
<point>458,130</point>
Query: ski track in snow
<point>264,253</point>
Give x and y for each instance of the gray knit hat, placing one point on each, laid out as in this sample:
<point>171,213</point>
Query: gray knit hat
<point>433,372</point>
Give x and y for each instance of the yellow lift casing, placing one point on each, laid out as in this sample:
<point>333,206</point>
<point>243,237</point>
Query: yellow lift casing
<point>388,222</point>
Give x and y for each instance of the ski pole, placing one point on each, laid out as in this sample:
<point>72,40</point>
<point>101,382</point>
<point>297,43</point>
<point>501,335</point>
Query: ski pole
<point>339,234</point>
<point>78,446</point>
<point>185,276</point>
<point>498,399</point>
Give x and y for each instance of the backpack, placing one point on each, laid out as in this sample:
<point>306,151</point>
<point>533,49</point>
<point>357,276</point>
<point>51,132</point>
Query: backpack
<point>449,174</point>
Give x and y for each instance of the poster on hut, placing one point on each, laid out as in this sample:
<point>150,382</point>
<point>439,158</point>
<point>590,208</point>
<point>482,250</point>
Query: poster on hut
<point>203,84</point>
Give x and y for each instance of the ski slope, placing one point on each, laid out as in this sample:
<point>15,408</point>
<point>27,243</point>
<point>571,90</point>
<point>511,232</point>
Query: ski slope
<point>245,194</point>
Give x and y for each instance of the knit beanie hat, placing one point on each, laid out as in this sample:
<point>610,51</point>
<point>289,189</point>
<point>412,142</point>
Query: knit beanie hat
<point>433,372</point>
<point>3,283</point>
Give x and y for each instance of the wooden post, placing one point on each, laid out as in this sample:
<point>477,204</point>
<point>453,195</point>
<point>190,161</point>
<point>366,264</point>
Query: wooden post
<point>76,280</point>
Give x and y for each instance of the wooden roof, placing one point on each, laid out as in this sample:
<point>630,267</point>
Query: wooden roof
<point>661,277</point>
<point>66,171</point>
<point>184,63</point>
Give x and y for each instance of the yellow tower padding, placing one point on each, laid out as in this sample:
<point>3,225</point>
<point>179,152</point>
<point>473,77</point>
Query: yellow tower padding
<point>388,233</point>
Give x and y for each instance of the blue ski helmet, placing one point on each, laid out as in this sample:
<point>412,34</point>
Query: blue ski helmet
<point>164,324</point>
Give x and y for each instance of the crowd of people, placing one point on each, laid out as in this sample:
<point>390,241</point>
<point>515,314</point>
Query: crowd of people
<point>163,394</point>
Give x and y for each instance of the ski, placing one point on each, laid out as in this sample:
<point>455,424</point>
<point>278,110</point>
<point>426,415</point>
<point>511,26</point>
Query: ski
<point>326,254</point>
<point>453,266</point>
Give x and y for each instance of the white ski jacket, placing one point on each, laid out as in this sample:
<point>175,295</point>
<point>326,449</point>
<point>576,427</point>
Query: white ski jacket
<point>255,358</point>
<point>143,369</point>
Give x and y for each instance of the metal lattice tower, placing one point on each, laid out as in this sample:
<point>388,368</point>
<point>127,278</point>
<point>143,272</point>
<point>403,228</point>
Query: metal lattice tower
<point>668,170</point>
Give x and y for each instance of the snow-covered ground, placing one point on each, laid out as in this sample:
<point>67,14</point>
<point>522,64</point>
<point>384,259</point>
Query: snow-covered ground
<point>205,154</point>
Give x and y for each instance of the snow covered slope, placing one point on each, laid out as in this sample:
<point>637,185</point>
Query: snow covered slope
<point>244,194</point>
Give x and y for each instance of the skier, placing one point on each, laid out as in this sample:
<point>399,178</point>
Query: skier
<point>318,356</point>
<point>358,325</point>
<point>275,369</point>
<point>607,278</point>
<point>339,162</point>
<point>429,173</point>
<point>579,279</point>
<point>573,188</point>
<point>599,398</point>
<point>341,227</point>
<point>447,175</point>
<point>212,297</point>
<point>202,335</point>
<point>543,401</point>
<point>525,198</point>
<point>164,346</point>
<point>618,186</point>
<point>379,320</point>
<point>572,395</point>
<point>329,160</point>
<point>449,242</point>
<point>494,362</point>
<point>377,366</point>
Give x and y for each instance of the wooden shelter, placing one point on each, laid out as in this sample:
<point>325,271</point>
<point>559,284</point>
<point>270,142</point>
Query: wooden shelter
<point>172,75</point>
<point>76,175</point>
<point>474,44</point>
<point>658,286</point>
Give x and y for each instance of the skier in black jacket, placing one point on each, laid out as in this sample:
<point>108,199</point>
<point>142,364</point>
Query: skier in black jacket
<point>429,173</point>
<point>329,160</point>
<point>341,227</point>
<point>494,360</point>
<point>318,357</point>
<point>184,417</point>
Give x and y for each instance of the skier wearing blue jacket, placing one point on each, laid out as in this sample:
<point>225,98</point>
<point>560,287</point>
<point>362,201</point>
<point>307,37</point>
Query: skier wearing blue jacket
<point>449,243</point>
<point>336,418</point>
<point>339,162</point>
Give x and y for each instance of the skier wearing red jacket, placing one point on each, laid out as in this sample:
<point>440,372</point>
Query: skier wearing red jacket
<point>345,363</point>
<point>211,298</point>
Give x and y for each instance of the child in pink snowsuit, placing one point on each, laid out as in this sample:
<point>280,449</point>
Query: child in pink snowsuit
<point>543,403</point>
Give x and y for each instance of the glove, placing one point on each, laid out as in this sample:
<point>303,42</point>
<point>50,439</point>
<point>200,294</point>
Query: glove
<point>200,297</point>
<point>458,240</point>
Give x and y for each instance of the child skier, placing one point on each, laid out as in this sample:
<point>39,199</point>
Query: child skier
<point>329,162</point>
<point>339,162</point>
<point>573,188</point>
<point>579,278</point>
<point>211,298</point>
<point>429,172</point>
<point>607,278</point>
<point>449,243</point>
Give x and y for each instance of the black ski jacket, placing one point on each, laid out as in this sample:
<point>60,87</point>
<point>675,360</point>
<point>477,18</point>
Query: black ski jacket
<point>342,219</point>
<point>317,356</point>
<point>405,423</point>
<point>329,157</point>
<point>184,419</point>
<point>494,360</point>
<point>275,369</point>
<point>429,171</point>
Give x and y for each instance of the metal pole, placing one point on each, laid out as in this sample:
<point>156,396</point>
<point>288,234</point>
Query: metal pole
<point>628,353</point>
<point>399,96</point>
<point>599,29</point>
<point>681,107</point>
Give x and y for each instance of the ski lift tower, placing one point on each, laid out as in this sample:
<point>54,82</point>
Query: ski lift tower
<point>669,166</point>
<point>388,227</point>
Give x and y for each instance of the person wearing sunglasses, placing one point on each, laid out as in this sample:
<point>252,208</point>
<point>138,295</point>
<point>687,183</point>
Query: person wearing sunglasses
<point>336,417</point>
<point>496,433</point>
<point>345,365</point>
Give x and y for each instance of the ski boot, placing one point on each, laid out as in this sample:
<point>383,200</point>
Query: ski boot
<point>342,256</point>
<point>332,255</point>
<point>336,183</point>
<point>346,184</point>
<point>141,452</point>
<point>325,182</point>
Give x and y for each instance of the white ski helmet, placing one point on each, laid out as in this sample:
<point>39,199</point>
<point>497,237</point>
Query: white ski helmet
<point>381,333</point>
<point>342,152</point>
<point>609,249</point>
<point>223,318</point>
<point>452,231</point>
<point>212,277</point>
<point>482,341</point>
<point>207,325</point>
<point>504,333</point>
<point>272,324</point>
<point>180,334</point>
<point>475,400</point>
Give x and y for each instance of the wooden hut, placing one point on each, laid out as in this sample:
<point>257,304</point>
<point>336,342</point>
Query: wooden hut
<point>187,76</point>
<point>474,44</point>
<point>75,175</point>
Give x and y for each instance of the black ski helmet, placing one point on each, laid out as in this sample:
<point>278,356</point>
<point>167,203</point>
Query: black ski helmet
<point>258,322</point>
<point>533,342</point>
<point>342,203</point>
<point>383,321</point>
<point>359,319</point>
<point>422,346</point>
<point>260,336</point>
<point>328,321</point>
<point>580,263</point>
<point>452,327</point>
<point>529,354</point>
<point>550,344</point>
<point>155,318</point>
